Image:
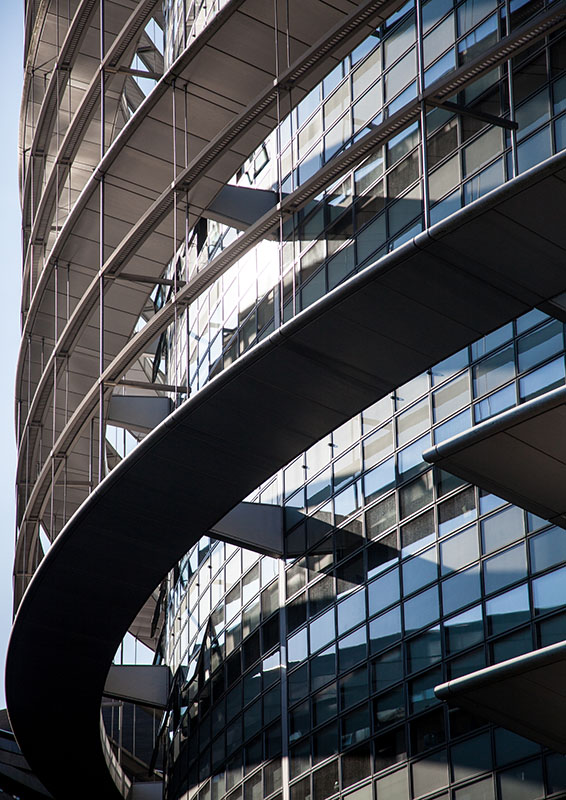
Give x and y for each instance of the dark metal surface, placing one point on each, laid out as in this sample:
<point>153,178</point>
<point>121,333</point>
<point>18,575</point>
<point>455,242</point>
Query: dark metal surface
<point>525,694</point>
<point>519,455</point>
<point>416,306</point>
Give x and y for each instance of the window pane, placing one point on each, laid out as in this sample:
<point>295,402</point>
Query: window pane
<point>493,371</point>
<point>420,570</point>
<point>437,41</point>
<point>502,528</point>
<point>323,667</point>
<point>297,648</point>
<point>430,774</point>
<point>505,568</point>
<point>459,550</point>
<point>508,610</point>
<point>549,591</point>
<point>322,630</point>
<point>461,589</point>
<point>472,11</point>
<point>367,72</point>
<point>352,649</point>
<point>451,397</point>
<point>385,630</point>
<point>416,495</point>
<point>384,592</point>
<point>482,150</point>
<point>456,511</point>
<point>413,422</point>
<point>548,549</point>
<point>421,610</point>
<point>379,479</point>
<point>522,783</point>
<point>347,467</point>
<point>471,757</point>
<point>354,688</point>
<point>495,403</point>
<point>421,690</point>
<point>401,74</point>
<point>542,380</point>
<point>540,345</point>
<point>352,611</point>
<point>325,704</point>
<point>465,630</point>
<point>424,650</point>
<point>457,424</point>
<point>534,150</point>
<point>395,786</point>
<point>378,445</point>
<point>417,533</point>
<point>382,554</point>
<point>387,669</point>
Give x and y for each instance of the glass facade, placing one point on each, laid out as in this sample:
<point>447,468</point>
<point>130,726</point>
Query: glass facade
<point>314,677</point>
<point>407,183</point>
<point>311,676</point>
<point>320,670</point>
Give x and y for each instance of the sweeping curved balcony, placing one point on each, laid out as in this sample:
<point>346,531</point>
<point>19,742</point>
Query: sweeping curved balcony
<point>234,129</point>
<point>147,223</point>
<point>59,455</point>
<point>348,349</point>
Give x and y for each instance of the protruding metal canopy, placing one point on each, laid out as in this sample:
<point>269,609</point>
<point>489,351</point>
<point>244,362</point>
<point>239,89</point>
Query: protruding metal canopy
<point>526,694</point>
<point>146,684</point>
<point>396,318</point>
<point>519,455</point>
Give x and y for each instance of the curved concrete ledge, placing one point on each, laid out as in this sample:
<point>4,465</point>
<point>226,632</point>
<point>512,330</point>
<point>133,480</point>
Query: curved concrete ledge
<point>354,345</point>
<point>505,212</point>
<point>303,73</point>
<point>525,694</point>
<point>493,455</point>
<point>200,167</point>
<point>352,28</point>
<point>212,110</point>
<point>186,179</point>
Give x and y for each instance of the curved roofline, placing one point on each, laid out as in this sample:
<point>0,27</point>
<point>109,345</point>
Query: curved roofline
<point>351,347</point>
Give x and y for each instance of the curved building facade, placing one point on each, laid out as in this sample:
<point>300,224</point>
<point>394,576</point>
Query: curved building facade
<point>272,254</point>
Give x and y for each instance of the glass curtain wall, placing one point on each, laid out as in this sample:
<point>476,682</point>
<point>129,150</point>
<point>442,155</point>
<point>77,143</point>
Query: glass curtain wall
<point>407,183</point>
<point>313,677</point>
<point>319,671</point>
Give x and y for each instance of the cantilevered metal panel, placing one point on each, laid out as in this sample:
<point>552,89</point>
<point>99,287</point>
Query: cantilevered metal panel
<point>146,684</point>
<point>526,694</point>
<point>257,526</point>
<point>519,455</point>
<point>351,347</point>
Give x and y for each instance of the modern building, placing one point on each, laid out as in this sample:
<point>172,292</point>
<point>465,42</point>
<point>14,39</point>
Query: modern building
<point>273,252</point>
